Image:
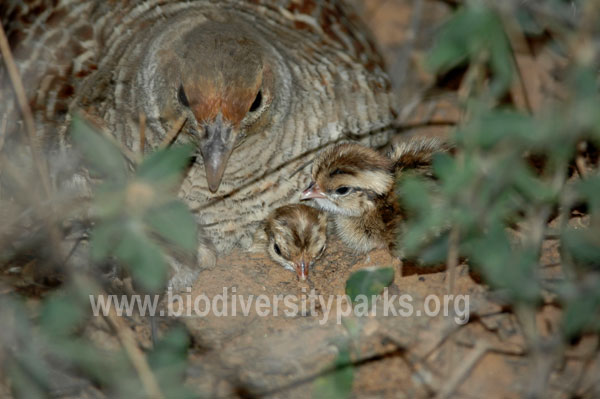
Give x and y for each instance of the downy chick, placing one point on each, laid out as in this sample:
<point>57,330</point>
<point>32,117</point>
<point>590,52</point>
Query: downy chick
<point>356,184</point>
<point>295,236</point>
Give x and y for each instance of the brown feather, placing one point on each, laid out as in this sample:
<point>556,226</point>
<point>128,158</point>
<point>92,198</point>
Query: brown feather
<point>369,215</point>
<point>298,231</point>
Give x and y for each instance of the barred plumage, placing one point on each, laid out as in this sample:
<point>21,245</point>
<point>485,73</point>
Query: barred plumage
<point>109,57</point>
<point>358,186</point>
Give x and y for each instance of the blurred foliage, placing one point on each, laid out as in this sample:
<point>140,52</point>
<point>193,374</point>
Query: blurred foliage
<point>336,384</point>
<point>132,210</point>
<point>137,222</point>
<point>368,283</point>
<point>474,34</point>
<point>361,288</point>
<point>513,172</point>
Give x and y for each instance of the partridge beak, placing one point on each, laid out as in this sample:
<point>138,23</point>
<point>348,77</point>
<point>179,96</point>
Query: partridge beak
<point>302,269</point>
<point>216,148</point>
<point>312,191</point>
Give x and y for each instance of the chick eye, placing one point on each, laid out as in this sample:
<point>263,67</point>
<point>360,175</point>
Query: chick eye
<point>182,97</point>
<point>342,190</point>
<point>257,101</point>
<point>277,249</point>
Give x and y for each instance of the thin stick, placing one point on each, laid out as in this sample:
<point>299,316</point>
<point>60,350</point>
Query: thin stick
<point>452,259</point>
<point>17,83</point>
<point>580,166</point>
<point>507,350</point>
<point>400,65</point>
<point>142,133</point>
<point>173,132</point>
<point>38,159</point>
<point>451,265</point>
<point>521,80</point>
<point>135,355</point>
<point>442,339</point>
<point>3,130</point>
<point>517,41</point>
<point>466,367</point>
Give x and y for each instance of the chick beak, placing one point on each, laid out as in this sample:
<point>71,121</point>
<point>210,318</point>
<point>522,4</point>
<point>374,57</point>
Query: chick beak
<point>216,148</point>
<point>302,269</point>
<point>312,191</point>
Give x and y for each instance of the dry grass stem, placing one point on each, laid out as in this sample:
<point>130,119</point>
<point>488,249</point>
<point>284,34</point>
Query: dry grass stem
<point>142,133</point>
<point>467,365</point>
<point>19,89</point>
<point>129,343</point>
<point>173,132</point>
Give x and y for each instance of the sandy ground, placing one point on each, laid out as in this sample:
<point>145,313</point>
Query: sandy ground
<point>395,356</point>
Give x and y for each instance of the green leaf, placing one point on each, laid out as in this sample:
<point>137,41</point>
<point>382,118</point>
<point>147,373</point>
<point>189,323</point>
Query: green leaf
<point>27,372</point>
<point>171,349</point>
<point>99,153</point>
<point>165,165</point>
<point>104,238</point>
<point>338,383</point>
<point>490,128</point>
<point>110,368</point>
<point>435,250</point>
<point>143,259</point>
<point>583,245</point>
<point>474,30</point>
<point>169,362</point>
<point>500,59</point>
<point>528,23</point>
<point>504,266</point>
<point>589,189</point>
<point>369,282</point>
<point>61,315</point>
<point>414,194</point>
<point>352,326</point>
<point>24,384</point>
<point>175,223</point>
<point>451,46</point>
<point>581,314</point>
<point>444,165</point>
<point>109,199</point>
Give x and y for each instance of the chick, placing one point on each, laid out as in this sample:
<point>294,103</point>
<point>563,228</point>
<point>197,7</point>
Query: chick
<point>295,236</point>
<point>356,185</point>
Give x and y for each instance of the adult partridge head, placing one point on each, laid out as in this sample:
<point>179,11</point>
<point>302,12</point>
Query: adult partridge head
<point>222,84</point>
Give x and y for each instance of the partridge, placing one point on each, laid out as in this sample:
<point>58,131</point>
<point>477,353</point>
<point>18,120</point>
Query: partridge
<point>258,86</point>
<point>295,236</point>
<point>356,184</point>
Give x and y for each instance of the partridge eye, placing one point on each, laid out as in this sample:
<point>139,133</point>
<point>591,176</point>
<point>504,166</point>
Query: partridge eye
<point>182,97</point>
<point>257,101</point>
<point>277,249</point>
<point>342,190</point>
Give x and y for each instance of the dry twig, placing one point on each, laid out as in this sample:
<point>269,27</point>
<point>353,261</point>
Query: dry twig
<point>451,265</point>
<point>136,356</point>
<point>142,133</point>
<point>3,132</point>
<point>452,259</point>
<point>464,370</point>
<point>173,132</point>
<point>517,43</point>
<point>19,89</point>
